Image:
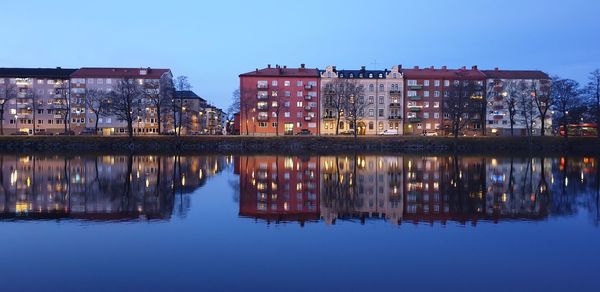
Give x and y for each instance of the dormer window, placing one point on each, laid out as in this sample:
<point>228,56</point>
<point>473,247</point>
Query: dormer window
<point>360,75</point>
<point>380,75</point>
<point>370,75</point>
<point>351,75</point>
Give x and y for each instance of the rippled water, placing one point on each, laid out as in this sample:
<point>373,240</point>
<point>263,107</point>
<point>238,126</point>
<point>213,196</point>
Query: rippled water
<point>297,223</point>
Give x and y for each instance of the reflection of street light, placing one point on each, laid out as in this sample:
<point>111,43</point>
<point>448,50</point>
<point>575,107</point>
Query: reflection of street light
<point>16,126</point>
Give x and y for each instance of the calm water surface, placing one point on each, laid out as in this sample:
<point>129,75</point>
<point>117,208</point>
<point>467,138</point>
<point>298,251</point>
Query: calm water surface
<point>297,223</point>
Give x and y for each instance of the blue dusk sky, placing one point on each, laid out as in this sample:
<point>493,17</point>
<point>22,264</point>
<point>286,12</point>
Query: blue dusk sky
<point>212,42</point>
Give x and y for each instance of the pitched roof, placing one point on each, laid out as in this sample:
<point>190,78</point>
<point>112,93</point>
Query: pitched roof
<point>120,72</point>
<point>279,71</point>
<point>187,94</point>
<point>515,74</point>
<point>443,73</point>
<point>361,73</point>
<point>58,72</point>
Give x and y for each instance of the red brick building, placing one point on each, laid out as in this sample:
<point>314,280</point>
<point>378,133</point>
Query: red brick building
<point>428,91</point>
<point>279,100</point>
<point>279,188</point>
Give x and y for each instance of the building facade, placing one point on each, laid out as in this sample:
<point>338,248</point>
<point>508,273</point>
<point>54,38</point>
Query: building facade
<point>505,90</point>
<point>383,101</point>
<point>146,120</point>
<point>279,101</point>
<point>34,100</point>
<point>433,94</point>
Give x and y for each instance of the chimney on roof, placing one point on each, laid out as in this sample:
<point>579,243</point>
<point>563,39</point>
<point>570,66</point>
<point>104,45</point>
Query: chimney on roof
<point>58,68</point>
<point>302,66</point>
<point>474,67</point>
<point>149,69</point>
<point>363,68</point>
<point>284,66</point>
<point>496,68</point>
<point>464,67</point>
<point>399,66</point>
<point>444,67</point>
<point>269,66</point>
<point>416,67</point>
<point>431,67</point>
<point>334,68</point>
<point>256,69</point>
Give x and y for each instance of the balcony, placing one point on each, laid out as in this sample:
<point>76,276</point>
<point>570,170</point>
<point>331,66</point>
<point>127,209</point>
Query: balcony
<point>395,91</point>
<point>415,97</point>
<point>308,118</point>
<point>395,117</point>
<point>414,120</point>
<point>262,86</point>
<point>308,87</point>
<point>415,87</point>
<point>414,108</point>
<point>329,117</point>
<point>308,97</point>
<point>262,118</point>
<point>262,96</point>
<point>307,108</point>
<point>262,107</point>
<point>329,92</point>
<point>395,104</point>
<point>498,117</point>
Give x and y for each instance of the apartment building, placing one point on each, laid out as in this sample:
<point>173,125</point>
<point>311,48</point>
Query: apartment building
<point>508,87</point>
<point>34,100</point>
<point>146,120</point>
<point>383,101</point>
<point>434,94</point>
<point>279,101</point>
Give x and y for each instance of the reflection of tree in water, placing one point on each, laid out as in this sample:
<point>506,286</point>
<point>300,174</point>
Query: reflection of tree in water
<point>100,187</point>
<point>339,191</point>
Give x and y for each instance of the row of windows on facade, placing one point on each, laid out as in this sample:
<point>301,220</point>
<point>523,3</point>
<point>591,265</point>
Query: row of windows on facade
<point>29,81</point>
<point>436,93</point>
<point>285,115</point>
<point>371,113</point>
<point>370,125</point>
<point>437,83</point>
<point>274,93</point>
<point>265,105</point>
<point>77,121</point>
<point>371,87</point>
<point>285,83</point>
<point>287,126</point>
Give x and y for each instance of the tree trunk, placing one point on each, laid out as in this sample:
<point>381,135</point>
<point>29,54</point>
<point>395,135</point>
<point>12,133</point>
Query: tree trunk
<point>512,127</point>
<point>543,124</point>
<point>2,119</point>
<point>337,124</point>
<point>96,124</point>
<point>130,128</point>
<point>159,119</point>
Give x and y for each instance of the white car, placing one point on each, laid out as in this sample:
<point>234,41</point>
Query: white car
<point>389,132</point>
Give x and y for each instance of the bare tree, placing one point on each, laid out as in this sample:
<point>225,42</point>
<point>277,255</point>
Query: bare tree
<point>181,84</point>
<point>527,107</point>
<point>34,102</point>
<point>511,97</point>
<point>235,103</point>
<point>463,103</point>
<point>126,98</point>
<point>355,104</point>
<point>593,91</point>
<point>246,106</point>
<point>336,94</point>
<point>97,101</point>
<point>543,100</point>
<point>7,93</point>
<point>566,94</point>
<point>62,105</point>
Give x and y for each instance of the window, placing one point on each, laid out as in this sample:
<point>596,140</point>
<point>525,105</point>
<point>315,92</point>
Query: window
<point>371,88</point>
<point>428,126</point>
<point>426,104</point>
<point>426,93</point>
<point>446,82</point>
<point>425,82</point>
<point>286,83</point>
<point>274,83</point>
<point>380,114</point>
<point>381,100</point>
<point>380,126</point>
<point>286,114</point>
<point>381,87</point>
<point>412,82</point>
<point>299,83</point>
<point>371,125</point>
<point>299,104</point>
<point>108,81</point>
<point>436,93</point>
<point>436,104</point>
<point>436,83</point>
<point>411,93</point>
<point>262,124</point>
<point>371,99</point>
<point>341,125</point>
<point>261,84</point>
<point>298,93</point>
<point>371,112</point>
<point>426,115</point>
<point>274,93</point>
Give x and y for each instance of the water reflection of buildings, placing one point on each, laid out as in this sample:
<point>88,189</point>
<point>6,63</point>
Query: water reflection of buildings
<point>398,189</point>
<point>100,187</point>
<point>279,188</point>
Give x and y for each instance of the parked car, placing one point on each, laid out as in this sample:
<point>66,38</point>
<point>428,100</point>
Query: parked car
<point>347,132</point>
<point>87,131</point>
<point>389,132</point>
<point>431,134</point>
<point>303,132</point>
<point>20,134</point>
<point>67,133</point>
